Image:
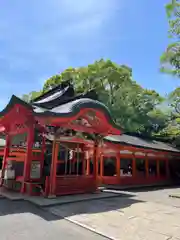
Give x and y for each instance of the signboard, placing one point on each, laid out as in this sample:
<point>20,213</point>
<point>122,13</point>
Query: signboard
<point>9,171</point>
<point>9,174</point>
<point>35,170</point>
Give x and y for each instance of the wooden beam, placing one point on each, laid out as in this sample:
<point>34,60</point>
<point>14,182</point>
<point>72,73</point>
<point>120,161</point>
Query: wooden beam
<point>158,167</point>
<point>147,165</point>
<point>95,161</point>
<point>118,164</point>
<point>133,166</point>
<point>167,167</point>
<point>28,158</point>
<point>134,149</point>
<point>6,154</point>
<point>88,166</point>
<point>43,150</point>
<point>55,150</point>
<point>101,167</point>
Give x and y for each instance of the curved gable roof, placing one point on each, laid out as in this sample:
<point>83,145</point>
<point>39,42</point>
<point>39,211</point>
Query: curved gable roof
<point>59,104</point>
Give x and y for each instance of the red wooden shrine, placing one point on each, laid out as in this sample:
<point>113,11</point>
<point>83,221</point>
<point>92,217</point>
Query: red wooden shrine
<point>46,154</point>
<point>43,152</point>
<point>126,163</point>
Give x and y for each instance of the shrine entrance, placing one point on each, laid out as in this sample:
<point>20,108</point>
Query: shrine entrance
<point>68,171</point>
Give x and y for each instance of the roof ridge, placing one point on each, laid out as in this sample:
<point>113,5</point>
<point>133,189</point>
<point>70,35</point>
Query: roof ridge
<point>55,89</point>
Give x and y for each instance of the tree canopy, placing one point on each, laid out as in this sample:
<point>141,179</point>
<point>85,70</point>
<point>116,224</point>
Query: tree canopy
<point>170,63</point>
<point>32,95</point>
<point>170,59</point>
<point>134,108</point>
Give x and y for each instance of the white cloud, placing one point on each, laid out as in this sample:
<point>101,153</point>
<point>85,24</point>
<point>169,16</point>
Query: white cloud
<point>87,16</point>
<point>40,38</point>
<point>86,7</point>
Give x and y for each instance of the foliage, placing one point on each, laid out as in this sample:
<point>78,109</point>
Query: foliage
<point>129,103</point>
<point>170,60</point>
<point>32,95</point>
<point>133,108</point>
<point>104,76</point>
<point>174,101</point>
<point>172,129</point>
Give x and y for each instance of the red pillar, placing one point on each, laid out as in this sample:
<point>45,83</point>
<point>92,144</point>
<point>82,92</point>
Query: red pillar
<point>133,166</point>
<point>101,167</point>
<point>158,170</point>
<point>52,189</point>
<point>118,166</point>
<point>43,149</point>
<point>28,159</point>
<point>95,163</point>
<point>167,168</point>
<point>83,161</point>
<point>88,166</point>
<point>73,163</point>
<point>147,166</point>
<point>6,153</point>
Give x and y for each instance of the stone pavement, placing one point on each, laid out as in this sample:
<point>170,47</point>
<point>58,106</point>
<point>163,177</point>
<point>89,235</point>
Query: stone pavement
<point>44,202</point>
<point>21,220</point>
<point>148,215</point>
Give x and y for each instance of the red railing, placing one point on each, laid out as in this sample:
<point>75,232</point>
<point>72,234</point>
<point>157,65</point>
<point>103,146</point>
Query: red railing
<point>125,181</point>
<point>74,184</point>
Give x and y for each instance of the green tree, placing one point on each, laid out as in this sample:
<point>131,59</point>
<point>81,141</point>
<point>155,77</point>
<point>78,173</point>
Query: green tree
<point>170,59</point>
<point>172,129</point>
<point>32,95</point>
<point>174,102</point>
<point>104,76</point>
<point>134,108</point>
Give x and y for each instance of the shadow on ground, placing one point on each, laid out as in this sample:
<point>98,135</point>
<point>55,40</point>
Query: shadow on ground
<point>8,207</point>
<point>94,206</point>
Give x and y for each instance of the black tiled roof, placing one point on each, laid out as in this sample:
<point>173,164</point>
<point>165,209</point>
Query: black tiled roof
<point>62,102</point>
<point>140,142</point>
<point>69,107</point>
<point>61,95</point>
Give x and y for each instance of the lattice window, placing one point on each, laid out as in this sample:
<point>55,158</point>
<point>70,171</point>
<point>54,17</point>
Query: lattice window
<point>126,167</point>
<point>152,167</point>
<point>109,166</point>
<point>70,160</point>
<point>140,167</point>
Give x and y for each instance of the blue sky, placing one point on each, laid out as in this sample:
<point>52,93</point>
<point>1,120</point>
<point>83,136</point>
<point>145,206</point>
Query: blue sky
<point>41,38</point>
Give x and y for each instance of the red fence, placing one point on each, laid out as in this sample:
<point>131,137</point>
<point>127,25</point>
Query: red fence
<point>74,184</point>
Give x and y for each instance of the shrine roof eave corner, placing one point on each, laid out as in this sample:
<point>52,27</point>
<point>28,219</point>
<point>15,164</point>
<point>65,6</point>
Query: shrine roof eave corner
<point>68,110</point>
<point>73,108</point>
<point>13,101</point>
